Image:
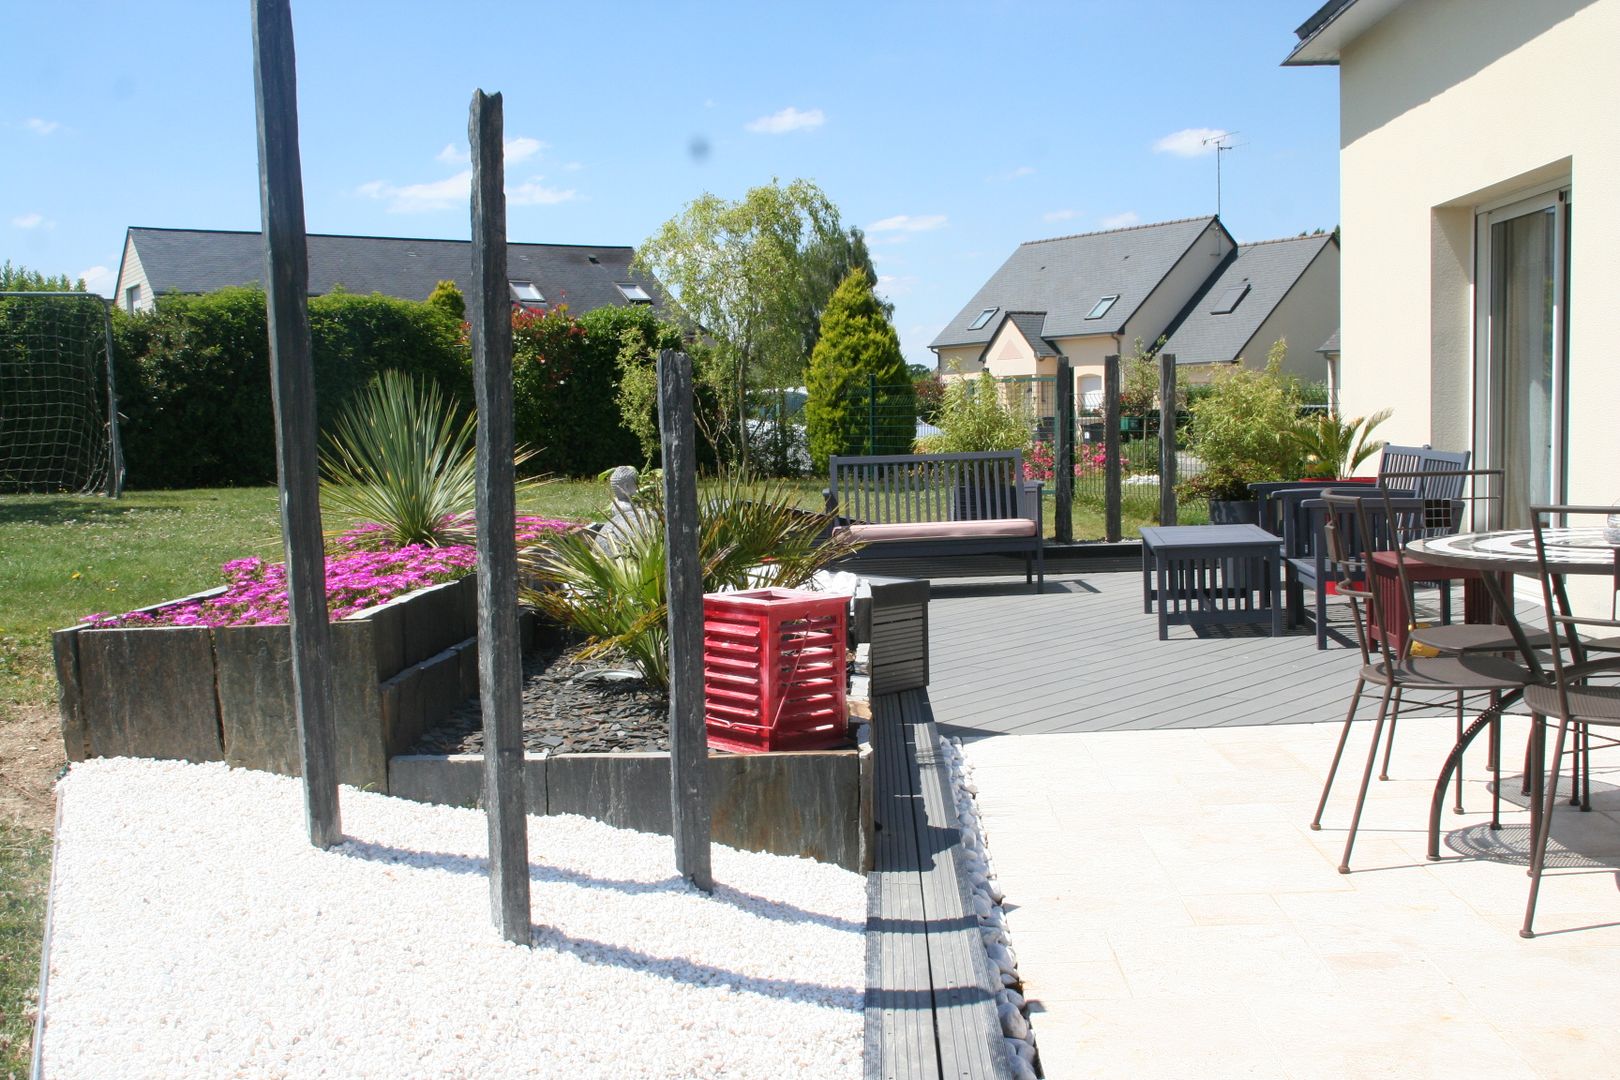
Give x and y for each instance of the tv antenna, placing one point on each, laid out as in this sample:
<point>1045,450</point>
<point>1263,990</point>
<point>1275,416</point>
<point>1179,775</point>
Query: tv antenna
<point>1221,147</point>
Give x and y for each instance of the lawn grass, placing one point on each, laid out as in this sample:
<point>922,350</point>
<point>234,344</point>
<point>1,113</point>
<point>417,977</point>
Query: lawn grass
<point>25,868</point>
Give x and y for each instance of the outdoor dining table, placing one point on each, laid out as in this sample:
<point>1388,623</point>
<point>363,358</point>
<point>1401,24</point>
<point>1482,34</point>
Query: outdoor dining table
<point>1499,556</point>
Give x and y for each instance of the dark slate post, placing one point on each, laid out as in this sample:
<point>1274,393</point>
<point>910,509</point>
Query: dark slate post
<point>1063,452</point>
<point>1111,477</point>
<point>286,277</point>
<point>688,741</point>
<point>1167,438</point>
<point>500,685</point>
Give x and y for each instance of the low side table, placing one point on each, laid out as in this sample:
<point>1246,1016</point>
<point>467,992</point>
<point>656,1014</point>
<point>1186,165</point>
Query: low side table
<point>1204,575</point>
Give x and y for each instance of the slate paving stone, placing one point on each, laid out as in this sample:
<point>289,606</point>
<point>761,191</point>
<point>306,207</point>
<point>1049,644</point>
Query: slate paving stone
<point>570,706</point>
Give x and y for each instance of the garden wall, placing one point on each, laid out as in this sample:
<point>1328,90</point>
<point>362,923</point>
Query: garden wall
<point>226,694</point>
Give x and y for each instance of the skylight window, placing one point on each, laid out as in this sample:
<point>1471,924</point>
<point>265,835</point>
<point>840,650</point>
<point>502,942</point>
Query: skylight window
<point>984,317</point>
<point>524,292</point>
<point>1100,309</point>
<point>634,293</point>
<point>1229,299</point>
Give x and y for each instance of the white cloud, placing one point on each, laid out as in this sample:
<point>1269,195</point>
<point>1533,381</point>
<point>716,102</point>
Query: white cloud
<point>421,198</point>
<point>894,285</point>
<point>1189,142</point>
<point>573,166</point>
<point>33,221</point>
<point>451,155</point>
<point>534,193</point>
<point>454,191</point>
<point>99,279</point>
<point>1060,215</point>
<point>1120,221</point>
<point>907,223</point>
<point>789,119</point>
<point>522,148</point>
<point>1015,174</point>
<point>40,127</point>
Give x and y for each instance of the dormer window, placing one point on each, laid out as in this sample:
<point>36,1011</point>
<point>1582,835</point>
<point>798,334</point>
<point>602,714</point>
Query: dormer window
<point>633,292</point>
<point>983,319</point>
<point>1100,308</point>
<point>525,292</point>
<point>1229,299</point>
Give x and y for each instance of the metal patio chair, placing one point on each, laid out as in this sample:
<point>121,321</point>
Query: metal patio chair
<point>1573,698</point>
<point>1352,527</point>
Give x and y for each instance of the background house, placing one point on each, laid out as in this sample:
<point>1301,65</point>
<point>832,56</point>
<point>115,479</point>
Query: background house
<point>1088,296</point>
<point>1476,302</point>
<point>157,261</point>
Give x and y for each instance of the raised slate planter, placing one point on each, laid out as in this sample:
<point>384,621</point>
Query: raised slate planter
<point>815,803</point>
<point>225,693</point>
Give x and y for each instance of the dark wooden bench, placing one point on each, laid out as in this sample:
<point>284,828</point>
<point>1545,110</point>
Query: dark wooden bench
<point>903,505</point>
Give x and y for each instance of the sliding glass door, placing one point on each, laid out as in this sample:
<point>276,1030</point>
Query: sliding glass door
<point>1523,368</point>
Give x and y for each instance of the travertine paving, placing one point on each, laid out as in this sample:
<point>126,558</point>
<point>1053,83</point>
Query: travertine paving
<point>1147,806</point>
<point>1174,916</point>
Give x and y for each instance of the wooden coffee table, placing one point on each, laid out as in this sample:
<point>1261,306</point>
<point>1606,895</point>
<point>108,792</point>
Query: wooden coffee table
<point>1205,575</point>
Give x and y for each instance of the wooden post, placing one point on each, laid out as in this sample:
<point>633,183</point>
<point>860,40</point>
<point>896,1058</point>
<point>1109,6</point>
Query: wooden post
<point>500,674</point>
<point>1167,438</point>
<point>688,741</point>
<point>1111,476</point>
<point>1063,452</point>
<point>286,278</point>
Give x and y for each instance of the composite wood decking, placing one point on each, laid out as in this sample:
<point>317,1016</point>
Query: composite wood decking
<point>930,998</point>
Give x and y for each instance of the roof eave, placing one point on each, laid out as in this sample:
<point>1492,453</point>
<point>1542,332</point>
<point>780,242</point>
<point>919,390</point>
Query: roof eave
<point>1322,43</point>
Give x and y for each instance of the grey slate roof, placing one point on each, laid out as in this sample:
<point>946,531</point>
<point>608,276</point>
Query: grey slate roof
<point>1067,275</point>
<point>202,260</point>
<point>1331,345</point>
<point>1030,324</point>
<point>1270,269</point>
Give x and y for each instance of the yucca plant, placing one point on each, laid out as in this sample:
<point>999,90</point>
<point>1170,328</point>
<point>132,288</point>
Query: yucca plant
<point>397,456</point>
<point>613,591</point>
<point>1331,448</point>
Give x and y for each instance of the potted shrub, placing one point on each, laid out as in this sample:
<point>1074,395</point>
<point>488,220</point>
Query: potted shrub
<point>1241,433</point>
<point>1331,448</point>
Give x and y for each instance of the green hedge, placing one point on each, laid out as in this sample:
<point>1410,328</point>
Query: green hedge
<point>194,377</point>
<point>565,373</point>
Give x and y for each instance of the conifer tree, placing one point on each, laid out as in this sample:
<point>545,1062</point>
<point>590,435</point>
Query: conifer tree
<point>856,349</point>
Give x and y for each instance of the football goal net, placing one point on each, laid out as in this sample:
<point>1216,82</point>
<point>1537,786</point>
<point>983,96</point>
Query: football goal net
<point>58,405</point>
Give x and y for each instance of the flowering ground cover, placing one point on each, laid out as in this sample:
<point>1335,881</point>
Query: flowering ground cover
<point>361,572</point>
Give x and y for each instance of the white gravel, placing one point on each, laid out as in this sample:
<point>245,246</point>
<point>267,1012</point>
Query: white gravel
<point>197,933</point>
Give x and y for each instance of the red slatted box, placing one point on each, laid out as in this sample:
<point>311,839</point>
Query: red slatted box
<point>773,670</point>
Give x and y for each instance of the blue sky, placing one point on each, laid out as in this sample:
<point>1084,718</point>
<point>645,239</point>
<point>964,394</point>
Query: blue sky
<point>950,132</point>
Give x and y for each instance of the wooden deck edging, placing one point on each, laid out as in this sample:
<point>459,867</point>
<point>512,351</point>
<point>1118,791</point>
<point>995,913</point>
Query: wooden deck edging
<point>930,989</point>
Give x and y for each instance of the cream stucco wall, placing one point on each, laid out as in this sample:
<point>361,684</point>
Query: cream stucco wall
<point>1447,106</point>
<point>1009,354</point>
<point>1304,318</point>
<point>959,360</point>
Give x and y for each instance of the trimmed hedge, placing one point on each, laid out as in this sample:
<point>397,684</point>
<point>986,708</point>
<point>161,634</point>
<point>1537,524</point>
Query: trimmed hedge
<point>195,377</point>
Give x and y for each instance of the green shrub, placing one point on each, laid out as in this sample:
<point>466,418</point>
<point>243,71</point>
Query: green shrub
<point>973,417</point>
<point>194,377</point>
<point>1241,431</point>
<point>856,349</point>
<point>567,376</point>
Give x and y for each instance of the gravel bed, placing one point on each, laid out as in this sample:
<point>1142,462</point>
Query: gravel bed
<point>570,706</point>
<point>197,933</point>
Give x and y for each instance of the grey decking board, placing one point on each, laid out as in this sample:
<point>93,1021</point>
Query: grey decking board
<point>930,1008</point>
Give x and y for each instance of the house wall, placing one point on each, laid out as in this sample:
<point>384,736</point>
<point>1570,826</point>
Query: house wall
<point>1449,105</point>
<point>1304,318</point>
<point>964,357</point>
<point>1165,302</point>
<point>131,273</point>
<point>1010,354</point>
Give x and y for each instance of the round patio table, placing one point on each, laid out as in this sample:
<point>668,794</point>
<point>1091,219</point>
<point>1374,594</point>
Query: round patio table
<point>1497,555</point>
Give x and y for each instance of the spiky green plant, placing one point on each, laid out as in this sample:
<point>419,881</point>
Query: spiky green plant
<point>614,592</point>
<point>396,455</point>
<point>1331,448</point>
